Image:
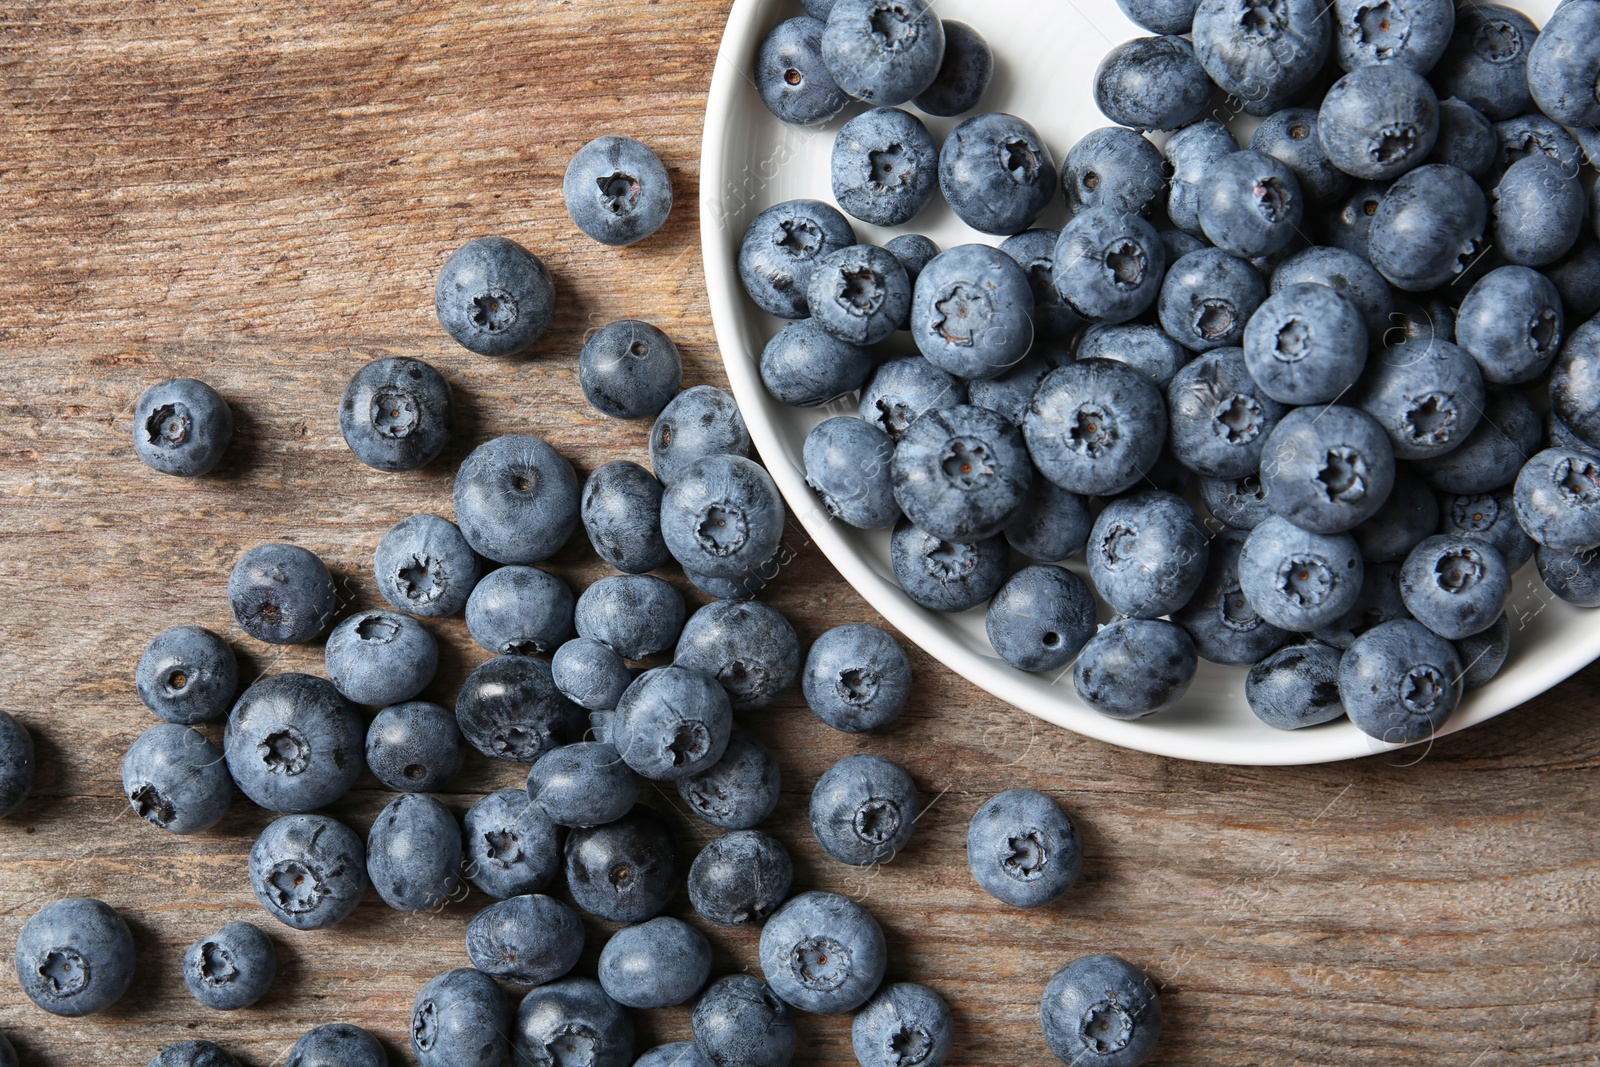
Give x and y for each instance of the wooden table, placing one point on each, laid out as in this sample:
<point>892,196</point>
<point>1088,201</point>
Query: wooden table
<point>259,194</point>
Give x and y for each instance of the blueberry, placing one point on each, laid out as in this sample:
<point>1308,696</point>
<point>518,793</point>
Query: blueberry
<point>1348,225</point>
<point>740,1022</point>
<point>181,426</point>
<point>1147,554</point>
<point>1220,418</point>
<point>1575,386</point>
<point>1052,524</point>
<point>1022,849</point>
<point>281,594</point>
<point>1409,515</point>
<point>1512,323</point>
<point>1327,469</point>
<point>424,566</point>
<point>1428,227</point>
<point>525,940</point>
<point>1115,168</point>
<point>791,76</point>
<point>722,516</point>
<point>883,51</point>
<point>510,709</point>
<point>903,390</point>
<point>621,513</point>
<point>583,784</point>
<point>739,790</point>
<point>308,871</point>
<point>1350,275</point>
<point>395,415</point>
<point>740,878</point>
<point>1377,122</point>
<point>1571,576</point>
<point>460,1019</point>
<point>511,847</point>
<point>750,648</point>
<point>863,810</point>
<point>590,674</point>
<point>859,294</point>
<point>293,743</point>
<point>187,675</point>
<point>1455,586</point>
<point>996,173</point>
<point>232,968</point>
<point>175,778</point>
<point>1208,297</point>
<point>823,953</point>
<point>1035,252</point>
<point>1407,33</point>
<point>494,297</point>
<point>1427,397</point>
<point>1108,266</point>
<point>573,1021</point>
<point>674,1054</point>
<point>1558,499</point>
<point>964,73</point>
<point>961,473</point>
<point>913,251</point>
<point>1261,53</point>
<point>1152,83</point>
<point>1424,319</point>
<point>804,365</point>
<point>337,1045</point>
<point>1400,681</point>
<point>617,191</point>
<point>672,722</point>
<point>1144,348</point>
<point>655,964</point>
<point>971,312</point>
<point>635,615</point>
<point>857,678</point>
<point>1466,139</point>
<point>903,1025</point>
<point>1095,427</point>
<point>1490,518</point>
<point>415,747</point>
<point>379,657</point>
<point>1490,457</point>
<point>1101,1009</point>
<point>1190,153</point>
<point>625,871</point>
<point>946,575</point>
<point>1219,618</point>
<point>1240,503</point>
<point>885,168</point>
<point>1291,137</point>
<point>1306,345</point>
<point>1296,579</point>
<point>1250,204</point>
<point>1296,686</point>
<point>516,499</point>
<point>1577,276</point>
<point>1538,211</point>
<point>1040,618</point>
<point>75,957</point>
<point>700,421</point>
<point>1534,135</point>
<point>1484,653</point>
<point>1564,66</point>
<point>194,1054</point>
<point>520,611</point>
<point>847,466</point>
<point>780,249</point>
<point>1486,62</point>
<point>414,854</point>
<point>629,369</point>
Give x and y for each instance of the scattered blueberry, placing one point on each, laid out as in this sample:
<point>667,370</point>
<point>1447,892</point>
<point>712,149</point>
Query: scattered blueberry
<point>194,1054</point>
<point>1251,204</point>
<point>1134,667</point>
<point>740,1022</point>
<point>574,1014</point>
<point>1040,618</point>
<point>231,969</point>
<point>1486,62</point>
<point>308,871</point>
<point>740,878</point>
<point>779,251</point>
<point>1115,168</point>
<point>1400,681</point>
<point>996,173</point>
<point>516,499</point>
<point>1538,210</point>
<point>863,810</point>
<point>187,675</point>
<point>1377,122</point>
<point>414,853</point>
<point>903,390</point>
<point>395,414</point>
<point>281,594</point>
<point>739,790</point>
<point>510,709</point>
<point>1558,499</point>
<point>176,779</point>
<point>1296,686</point>
<point>946,575</point>
<point>823,953</point>
<point>722,516</point>
<point>590,674</point>
<point>415,747</point>
<point>672,722</point>
<point>460,1019</point>
<point>1307,344</point>
<point>583,784</point>
<point>337,1045</point>
<point>510,846</point>
<point>883,51</point>
<point>1152,83</point>
<point>885,168</point>
<point>1428,227</point>
<point>617,190</point>
<point>1108,266</point>
<point>1208,297</point>
<point>904,1025</point>
<point>750,648</point>
<point>804,365</point>
<point>424,566</point>
<point>847,464</point>
<point>1263,55</point>
<point>293,743</point>
<point>791,76</point>
<point>1022,849</point>
<point>629,369</point>
<point>494,297</point>
<point>181,426</point>
<point>1220,418</point>
<point>1564,66</point>
<point>656,964</point>
<point>635,615</point>
<point>1298,580</point>
<point>525,940</point>
<point>621,512</point>
<point>75,957</point>
<point>625,871</point>
<point>380,658</point>
<point>1102,1010</point>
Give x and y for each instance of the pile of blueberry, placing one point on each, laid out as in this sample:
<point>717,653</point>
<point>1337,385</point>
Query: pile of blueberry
<point>1303,406</point>
<point>593,722</point>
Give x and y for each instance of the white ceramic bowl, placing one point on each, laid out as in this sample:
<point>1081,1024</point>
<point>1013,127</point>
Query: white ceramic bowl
<point>1046,58</point>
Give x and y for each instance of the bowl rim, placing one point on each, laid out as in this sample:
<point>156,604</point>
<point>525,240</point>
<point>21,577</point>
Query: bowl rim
<point>1323,744</point>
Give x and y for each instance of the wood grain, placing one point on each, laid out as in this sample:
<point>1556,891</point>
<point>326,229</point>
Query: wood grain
<point>259,194</point>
